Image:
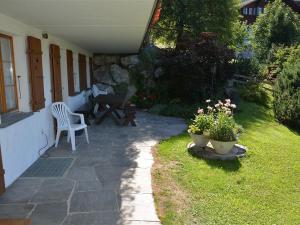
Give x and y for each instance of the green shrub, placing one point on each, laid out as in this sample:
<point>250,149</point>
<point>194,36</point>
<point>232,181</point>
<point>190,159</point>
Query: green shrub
<point>280,56</point>
<point>244,66</point>
<point>224,128</point>
<point>279,24</point>
<point>287,95</point>
<point>182,110</point>
<point>255,92</point>
<point>201,124</point>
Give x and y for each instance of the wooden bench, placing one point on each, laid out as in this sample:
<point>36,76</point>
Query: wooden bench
<point>129,112</point>
<point>87,111</point>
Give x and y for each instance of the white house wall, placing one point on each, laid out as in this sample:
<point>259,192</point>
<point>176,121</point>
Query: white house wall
<point>21,143</point>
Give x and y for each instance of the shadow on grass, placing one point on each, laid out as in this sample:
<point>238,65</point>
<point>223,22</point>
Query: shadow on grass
<point>226,165</point>
<point>251,114</point>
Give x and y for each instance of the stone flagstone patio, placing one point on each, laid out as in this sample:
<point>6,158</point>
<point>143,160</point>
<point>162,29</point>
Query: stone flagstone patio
<point>109,181</point>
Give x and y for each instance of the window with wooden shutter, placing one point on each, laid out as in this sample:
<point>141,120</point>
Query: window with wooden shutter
<point>56,73</point>
<point>70,71</point>
<point>8,89</point>
<point>82,72</point>
<point>36,73</point>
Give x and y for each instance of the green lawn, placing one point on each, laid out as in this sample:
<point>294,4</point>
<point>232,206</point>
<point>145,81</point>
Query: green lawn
<point>263,188</point>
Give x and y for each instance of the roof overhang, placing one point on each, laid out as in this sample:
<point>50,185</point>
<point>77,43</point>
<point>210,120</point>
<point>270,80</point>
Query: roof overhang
<point>100,26</point>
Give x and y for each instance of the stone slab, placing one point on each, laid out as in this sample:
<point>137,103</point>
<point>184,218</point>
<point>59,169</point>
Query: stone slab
<point>49,214</point>
<point>53,190</point>
<point>105,200</point>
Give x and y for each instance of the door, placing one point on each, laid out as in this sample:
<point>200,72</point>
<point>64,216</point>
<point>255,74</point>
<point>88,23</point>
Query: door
<point>36,73</point>
<point>2,183</point>
<point>82,72</point>
<point>70,73</point>
<point>56,73</point>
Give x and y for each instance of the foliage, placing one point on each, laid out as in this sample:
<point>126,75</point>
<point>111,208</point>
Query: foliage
<point>278,25</point>
<point>175,108</point>
<point>201,123</point>
<point>239,37</point>
<point>258,189</point>
<point>197,70</point>
<point>143,100</point>
<point>223,126</point>
<point>287,95</point>
<point>245,66</point>
<point>281,56</point>
<point>193,17</point>
<point>255,92</point>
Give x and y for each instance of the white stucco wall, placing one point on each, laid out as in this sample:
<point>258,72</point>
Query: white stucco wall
<point>21,142</point>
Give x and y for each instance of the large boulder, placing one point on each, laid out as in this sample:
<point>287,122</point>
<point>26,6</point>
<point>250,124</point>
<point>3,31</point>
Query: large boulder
<point>102,75</point>
<point>118,74</point>
<point>130,60</point>
<point>102,60</point>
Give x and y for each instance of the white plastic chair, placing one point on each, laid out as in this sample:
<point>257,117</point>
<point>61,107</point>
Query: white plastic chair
<point>63,116</point>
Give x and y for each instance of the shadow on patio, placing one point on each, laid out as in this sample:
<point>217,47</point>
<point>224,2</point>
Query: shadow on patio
<point>108,182</point>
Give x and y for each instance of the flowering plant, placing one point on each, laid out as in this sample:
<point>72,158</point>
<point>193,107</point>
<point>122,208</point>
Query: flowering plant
<point>216,121</point>
<point>202,122</point>
<point>224,127</point>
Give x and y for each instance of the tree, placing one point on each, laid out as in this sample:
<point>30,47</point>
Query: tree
<point>279,25</point>
<point>287,95</point>
<point>195,16</point>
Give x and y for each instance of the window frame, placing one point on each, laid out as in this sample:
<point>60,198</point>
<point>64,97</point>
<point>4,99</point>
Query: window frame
<point>2,85</point>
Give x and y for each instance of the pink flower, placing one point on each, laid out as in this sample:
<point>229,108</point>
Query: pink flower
<point>217,105</point>
<point>208,101</point>
<point>228,100</point>
<point>233,106</point>
<point>209,108</point>
<point>220,102</point>
<point>200,111</point>
<point>228,113</point>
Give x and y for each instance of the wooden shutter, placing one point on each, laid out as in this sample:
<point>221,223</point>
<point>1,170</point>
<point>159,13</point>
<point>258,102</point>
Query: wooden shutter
<point>91,71</point>
<point>82,72</point>
<point>70,73</point>
<point>56,73</point>
<point>2,182</point>
<point>36,73</point>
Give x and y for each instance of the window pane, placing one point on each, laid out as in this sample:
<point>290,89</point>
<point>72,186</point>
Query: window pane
<point>8,74</point>
<point>5,49</point>
<point>10,97</point>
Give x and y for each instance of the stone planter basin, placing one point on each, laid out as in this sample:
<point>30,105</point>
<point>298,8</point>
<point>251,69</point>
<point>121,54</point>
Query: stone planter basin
<point>199,140</point>
<point>222,147</point>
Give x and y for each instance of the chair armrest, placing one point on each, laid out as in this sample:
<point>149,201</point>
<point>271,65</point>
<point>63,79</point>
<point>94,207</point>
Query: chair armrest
<point>80,115</point>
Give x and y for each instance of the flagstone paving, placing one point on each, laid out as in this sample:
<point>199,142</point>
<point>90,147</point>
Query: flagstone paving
<point>108,183</point>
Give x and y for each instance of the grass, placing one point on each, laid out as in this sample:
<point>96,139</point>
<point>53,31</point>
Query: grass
<point>263,188</point>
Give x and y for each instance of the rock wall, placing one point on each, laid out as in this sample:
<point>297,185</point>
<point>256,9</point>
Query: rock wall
<point>113,70</point>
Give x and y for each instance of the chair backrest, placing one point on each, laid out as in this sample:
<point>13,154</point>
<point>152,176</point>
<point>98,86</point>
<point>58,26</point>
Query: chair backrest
<point>61,113</point>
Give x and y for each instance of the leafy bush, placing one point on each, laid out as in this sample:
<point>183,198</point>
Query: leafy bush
<point>197,70</point>
<point>224,127</point>
<point>201,124</point>
<point>287,95</point>
<point>245,66</point>
<point>182,110</point>
<point>254,92</point>
<point>280,56</point>
<point>278,25</point>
